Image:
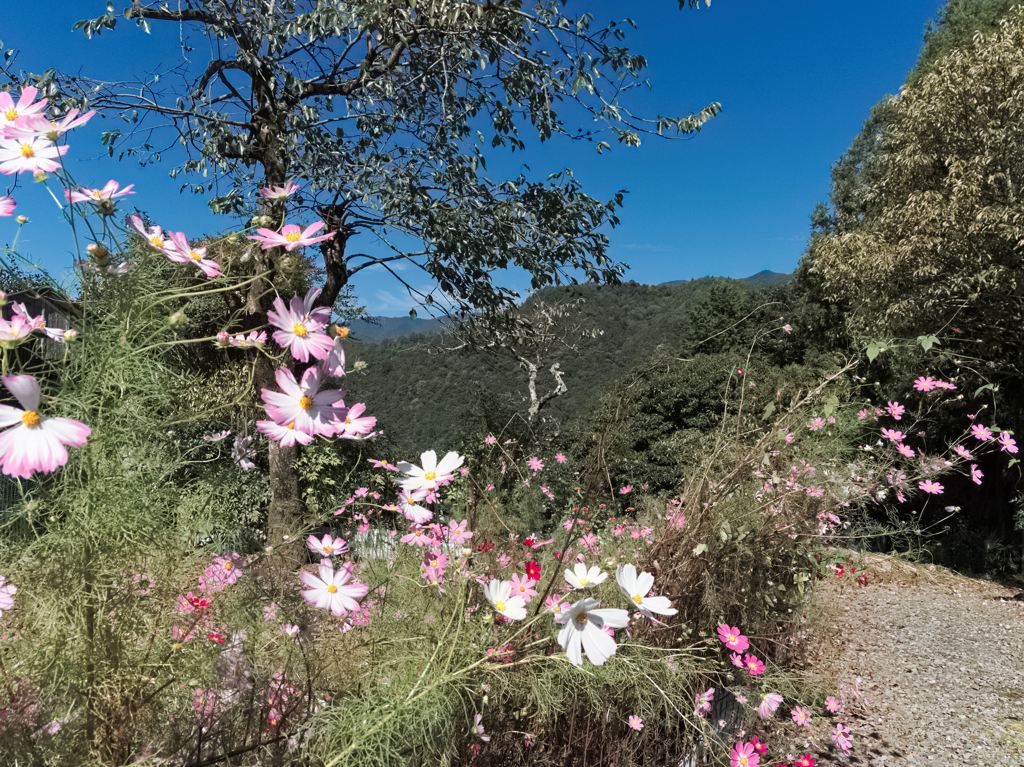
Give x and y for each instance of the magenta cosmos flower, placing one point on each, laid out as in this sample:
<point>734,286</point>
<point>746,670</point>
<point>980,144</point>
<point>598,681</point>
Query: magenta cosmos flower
<point>355,425</point>
<point>181,252</point>
<point>300,327</point>
<point>110,191</point>
<point>290,236</point>
<point>22,113</point>
<point>29,155</point>
<point>744,755</point>
<point>753,665</point>
<point>303,405</point>
<point>333,590</point>
<point>153,235</point>
<point>931,487</point>
<point>731,637</point>
<point>34,444</point>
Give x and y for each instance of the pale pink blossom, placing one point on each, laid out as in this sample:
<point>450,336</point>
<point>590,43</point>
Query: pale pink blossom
<point>1007,443</point>
<point>895,410</point>
<point>7,205</point>
<point>931,487</point>
<point>981,432</point>
<point>801,716</point>
<point>833,705</point>
<point>286,434</point>
<point>328,546</point>
<point>842,738</point>
<point>181,252</point>
<point>333,590</point>
<point>278,192</point>
<point>976,475</point>
<point>23,112</point>
<point>291,236</point>
<point>304,404</point>
<point>458,533</point>
<point>635,723</point>
<point>300,326</point>
<point>35,443</point>
<point>522,586</point>
<point>535,464</point>
<point>7,592</point>
<point>769,705</point>
<point>110,191</point>
<point>29,155</point>
<point>702,702</point>
<point>560,457</point>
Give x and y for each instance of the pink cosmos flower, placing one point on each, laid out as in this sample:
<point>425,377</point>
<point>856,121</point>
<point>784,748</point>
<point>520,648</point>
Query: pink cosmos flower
<point>893,435</point>
<point>801,716</point>
<point>743,755</point>
<point>286,434</point>
<point>153,235</point>
<point>769,705</point>
<point>181,252</point>
<point>333,590</point>
<point>560,457</point>
<point>291,236</point>
<point>931,486</point>
<point>303,404</point>
<point>976,475</point>
<point>905,450</point>
<point>816,424</point>
<point>34,444</point>
<point>333,365</point>
<point>279,192</point>
<point>328,546</point>
<point>352,424</point>
<point>223,571</point>
<point>963,452</point>
<point>7,205</point>
<point>457,532</point>
<point>110,191</point>
<point>863,414</point>
<point>842,738</point>
<point>417,536</point>
<point>490,439</point>
<point>787,329</point>
<point>981,432</point>
<point>22,113</point>
<point>896,410</point>
<point>7,592</point>
<point>535,464</point>
<point>732,638</point>
<point>300,327</point>
<point>625,490</point>
<point>383,464</point>
<point>1007,443</point>
<point>702,702</point>
<point>635,723</point>
<point>29,155</point>
<point>753,665</point>
<point>924,384</point>
<point>522,586</point>
<point>833,705</point>
<point>790,438</point>
<point>736,659</point>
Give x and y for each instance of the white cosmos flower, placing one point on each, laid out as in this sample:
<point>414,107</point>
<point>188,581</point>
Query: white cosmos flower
<point>582,577</point>
<point>635,588</point>
<point>432,474</point>
<point>499,594</point>
<point>583,631</point>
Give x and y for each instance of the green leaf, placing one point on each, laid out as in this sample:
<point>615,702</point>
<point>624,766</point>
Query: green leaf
<point>874,349</point>
<point>927,342</point>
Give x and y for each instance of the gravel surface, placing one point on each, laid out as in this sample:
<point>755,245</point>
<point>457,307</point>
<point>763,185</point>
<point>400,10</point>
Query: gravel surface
<point>942,663</point>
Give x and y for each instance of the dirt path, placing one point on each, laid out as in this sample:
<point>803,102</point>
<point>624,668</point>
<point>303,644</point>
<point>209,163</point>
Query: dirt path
<point>941,657</point>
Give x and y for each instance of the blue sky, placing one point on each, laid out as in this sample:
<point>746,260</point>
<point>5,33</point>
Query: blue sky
<point>795,79</point>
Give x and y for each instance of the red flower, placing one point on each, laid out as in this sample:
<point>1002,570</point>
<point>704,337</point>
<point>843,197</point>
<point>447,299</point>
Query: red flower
<point>529,543</point>
<point>840,571</point>
<point>485,546</point>
<point>862,580</point>
<point>213,636</point>
<point>533,570</point>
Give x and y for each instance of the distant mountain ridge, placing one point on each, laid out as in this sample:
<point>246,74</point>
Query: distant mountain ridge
<point>376,329</point>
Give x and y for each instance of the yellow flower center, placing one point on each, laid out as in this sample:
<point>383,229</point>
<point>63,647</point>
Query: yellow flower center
<point>348,419</point>
<point>300,330</point>
<point>433,563</point>
<point>637,598</point>
<point>293,237</point>
<point>30,418</point>
<point>97,194</point>
<point>11,114</point>
<point>744,761</point>
<point>430,475</point>
<point>305,402</point>
<point>27,151</point>
<point>328,549</point>
<point>341,331</point>
<point>499,606</point>
<point>228,566</point>
<point>331,588</point>
<point>290,425</point>
<point>195,255</point>
<point>582,619</point>
<point>584,580</point>
<point>156,241</point>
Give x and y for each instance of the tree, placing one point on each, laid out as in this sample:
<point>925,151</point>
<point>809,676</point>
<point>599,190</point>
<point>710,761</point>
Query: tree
<point>390,111</point>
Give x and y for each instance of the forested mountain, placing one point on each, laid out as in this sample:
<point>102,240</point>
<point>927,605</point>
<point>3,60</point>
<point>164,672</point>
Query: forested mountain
<point>461,393</point>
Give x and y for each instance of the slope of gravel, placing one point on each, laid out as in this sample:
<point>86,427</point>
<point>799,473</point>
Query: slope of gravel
<point>942,663</point>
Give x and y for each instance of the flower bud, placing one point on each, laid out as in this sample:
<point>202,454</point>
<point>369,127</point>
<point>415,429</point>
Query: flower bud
<point>341,331</point>
<point>177,318</point>
<point>70,335</point>
<point>22,219</point>
<point>98,252</point>
<point>39,176</point>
